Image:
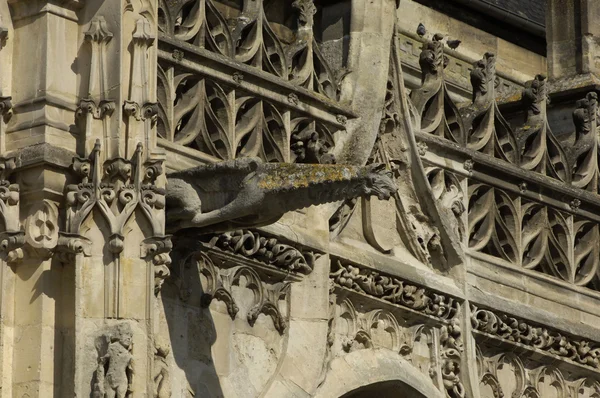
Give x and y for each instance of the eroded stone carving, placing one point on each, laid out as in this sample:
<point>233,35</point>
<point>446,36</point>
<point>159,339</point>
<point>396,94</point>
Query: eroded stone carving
<point>113,377</point>
<point>161,373</point>
<point>156,250</point>
<point>12,238</point>
<point>248,193</point>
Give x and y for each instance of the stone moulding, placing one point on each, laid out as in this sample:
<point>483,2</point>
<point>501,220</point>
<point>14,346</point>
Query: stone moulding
<point>535,338</point>
<point>263,248</point>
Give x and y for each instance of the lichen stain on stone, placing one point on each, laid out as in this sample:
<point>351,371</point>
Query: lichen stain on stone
<point>292,176</point>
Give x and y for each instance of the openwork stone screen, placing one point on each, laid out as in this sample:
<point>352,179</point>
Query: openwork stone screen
<point>246,79</point>
<point>531,197</point>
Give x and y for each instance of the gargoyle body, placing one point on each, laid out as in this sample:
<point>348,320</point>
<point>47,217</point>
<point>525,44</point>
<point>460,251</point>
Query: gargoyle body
<point>247,193</point>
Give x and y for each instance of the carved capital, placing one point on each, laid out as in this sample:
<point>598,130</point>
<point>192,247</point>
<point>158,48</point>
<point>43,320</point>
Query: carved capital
<point>98,31</point>
<point>143,34</point>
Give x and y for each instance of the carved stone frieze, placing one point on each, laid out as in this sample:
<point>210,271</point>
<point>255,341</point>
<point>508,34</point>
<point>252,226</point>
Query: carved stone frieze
<point>373,283</point>
<point>435,350</point>
<point>256,246</point>
<point>393,289</point>
<point>535,337</point>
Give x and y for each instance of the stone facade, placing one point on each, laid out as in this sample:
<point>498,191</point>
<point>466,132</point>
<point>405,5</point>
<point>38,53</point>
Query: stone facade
<point>254,198</point>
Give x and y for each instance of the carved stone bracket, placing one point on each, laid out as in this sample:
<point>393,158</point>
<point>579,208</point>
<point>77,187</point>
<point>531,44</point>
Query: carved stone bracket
<point>156,251</point>
<point>71,245</point>
<point>147,111</point>
<point>98,111</point>
<point>11,246</point>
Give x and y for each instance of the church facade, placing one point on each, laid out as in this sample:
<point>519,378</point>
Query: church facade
<point>307,198</point>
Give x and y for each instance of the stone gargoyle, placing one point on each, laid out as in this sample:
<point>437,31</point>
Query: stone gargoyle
<point>246,192</point>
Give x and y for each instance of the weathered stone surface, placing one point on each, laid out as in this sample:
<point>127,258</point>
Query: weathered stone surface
<point>367,198</point>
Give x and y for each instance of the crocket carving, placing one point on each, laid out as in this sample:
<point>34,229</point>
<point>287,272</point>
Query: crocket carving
<point>246,192</point>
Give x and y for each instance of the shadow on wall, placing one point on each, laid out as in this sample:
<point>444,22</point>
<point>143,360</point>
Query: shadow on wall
<point>191,329</point>
<point>385,389</point>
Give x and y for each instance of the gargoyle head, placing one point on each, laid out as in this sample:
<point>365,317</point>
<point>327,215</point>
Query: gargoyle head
<point>379,183</point>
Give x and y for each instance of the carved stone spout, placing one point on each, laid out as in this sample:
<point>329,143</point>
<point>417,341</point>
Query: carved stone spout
<point>247,193</point>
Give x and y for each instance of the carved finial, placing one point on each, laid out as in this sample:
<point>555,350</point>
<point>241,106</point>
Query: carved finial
<point>483,76</point>
<point>98,31</point>
<point>535,95</point>
<point>583,114</point>
<point>431,59</point>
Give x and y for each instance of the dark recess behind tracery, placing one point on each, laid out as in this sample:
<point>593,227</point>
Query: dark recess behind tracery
<point>495,17</point>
